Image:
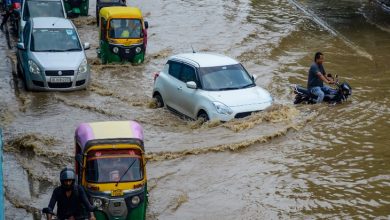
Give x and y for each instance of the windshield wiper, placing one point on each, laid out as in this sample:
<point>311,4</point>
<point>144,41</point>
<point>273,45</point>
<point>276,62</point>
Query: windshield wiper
<point>247,86</point>
<point>125,172</point>
<point>228,88</point>
<point>45,50</point>
<point>73,49</point>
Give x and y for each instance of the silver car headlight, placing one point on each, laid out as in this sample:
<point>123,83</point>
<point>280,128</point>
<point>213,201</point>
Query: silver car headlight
<point>135,200</point>
<point>222,108</point>
<point>138,49</point>
<point>33,67</point>
<point>97,202</point>
<point>83,68</point>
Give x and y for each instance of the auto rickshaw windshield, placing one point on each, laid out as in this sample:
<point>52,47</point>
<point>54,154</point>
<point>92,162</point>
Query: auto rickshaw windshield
<point>125,28</point>
<point>108,166</point>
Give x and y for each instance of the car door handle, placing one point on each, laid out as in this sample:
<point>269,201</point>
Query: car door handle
<point>179,88</point>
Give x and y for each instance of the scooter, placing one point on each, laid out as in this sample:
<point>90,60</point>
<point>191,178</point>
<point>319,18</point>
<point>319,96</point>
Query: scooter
<point>303,95</point>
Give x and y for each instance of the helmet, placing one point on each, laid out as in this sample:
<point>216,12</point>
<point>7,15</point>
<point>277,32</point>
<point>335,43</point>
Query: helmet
<point>67,174</point>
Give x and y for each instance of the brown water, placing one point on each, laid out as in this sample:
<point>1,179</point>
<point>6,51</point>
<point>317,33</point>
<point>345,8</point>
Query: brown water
<point>288,162</point>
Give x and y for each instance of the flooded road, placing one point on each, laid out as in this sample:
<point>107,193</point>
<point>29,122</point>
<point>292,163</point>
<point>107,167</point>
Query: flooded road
<point>296,162</point>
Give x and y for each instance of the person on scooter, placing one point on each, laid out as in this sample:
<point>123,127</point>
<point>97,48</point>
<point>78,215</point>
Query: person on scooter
<point>69,198</point>
<point>8,6</point>
<point>317,77</point>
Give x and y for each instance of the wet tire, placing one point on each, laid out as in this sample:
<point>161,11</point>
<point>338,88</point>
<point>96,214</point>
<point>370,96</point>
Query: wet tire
<point>25,84</point>
<point>203,115</point>
<point>298,99</point>
<point>103,59</point>
<point>18,70</point>
<point>159,101</point>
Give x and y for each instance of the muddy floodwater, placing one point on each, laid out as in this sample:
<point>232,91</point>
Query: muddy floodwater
<point>289,162</point>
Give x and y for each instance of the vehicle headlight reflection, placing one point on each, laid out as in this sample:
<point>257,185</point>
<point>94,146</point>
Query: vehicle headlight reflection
<point>33,67</point>
<point>222,108</point>
<point>138,49</point>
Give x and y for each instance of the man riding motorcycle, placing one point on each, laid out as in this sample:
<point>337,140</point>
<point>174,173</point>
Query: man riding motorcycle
<point>316,78</point>
<point>69,198</point>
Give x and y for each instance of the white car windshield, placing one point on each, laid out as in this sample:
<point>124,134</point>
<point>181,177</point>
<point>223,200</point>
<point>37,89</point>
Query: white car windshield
<point>43,9</point>
<point>228,77</point>
<point>54,40</point>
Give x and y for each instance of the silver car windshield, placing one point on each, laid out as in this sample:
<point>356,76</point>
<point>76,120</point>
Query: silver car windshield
<point>125,28</point>
<point>43,9</point>
<point>228,77</point>
<point>54,40</point>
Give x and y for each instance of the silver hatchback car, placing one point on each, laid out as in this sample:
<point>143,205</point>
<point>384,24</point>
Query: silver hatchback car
<point>208,86</point>
<point>51,57</point>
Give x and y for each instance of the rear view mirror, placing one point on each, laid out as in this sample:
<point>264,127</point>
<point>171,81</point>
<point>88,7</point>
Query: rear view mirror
<point>86,46</point>
<point>191,85</point>
<point>146,24</point>
<point>20,46</point>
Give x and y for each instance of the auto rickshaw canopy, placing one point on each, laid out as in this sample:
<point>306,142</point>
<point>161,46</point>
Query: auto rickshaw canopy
<point>120,12</point>
<point>109,132</point>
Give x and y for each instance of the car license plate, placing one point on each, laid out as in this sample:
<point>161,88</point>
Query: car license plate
<point>127,50</point>
<point>117,192</point>
<point>59,79</point>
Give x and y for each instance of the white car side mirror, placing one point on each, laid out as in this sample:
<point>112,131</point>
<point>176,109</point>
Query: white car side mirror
<point>191,85</point>
<point>86,46</point>
<point>254,77</point>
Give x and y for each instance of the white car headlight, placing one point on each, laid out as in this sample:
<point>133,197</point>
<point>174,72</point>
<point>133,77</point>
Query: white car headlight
<point>222,109</point>
<point>83,68</point>
<point>97,202</point>
<point>138,49</point>
<point>135,200</point>
<point>33,67</point>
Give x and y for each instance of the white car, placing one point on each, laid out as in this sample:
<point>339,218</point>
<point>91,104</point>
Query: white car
<point>208,86</point>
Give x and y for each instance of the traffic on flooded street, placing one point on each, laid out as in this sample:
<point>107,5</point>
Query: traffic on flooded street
<point>195,109</point>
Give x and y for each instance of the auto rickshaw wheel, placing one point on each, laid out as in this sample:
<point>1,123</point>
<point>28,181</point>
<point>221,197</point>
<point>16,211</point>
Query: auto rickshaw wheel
<point>103,59</point>
<point>159,100</point>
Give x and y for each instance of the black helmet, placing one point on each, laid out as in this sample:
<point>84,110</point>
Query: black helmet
<point>67,174</point>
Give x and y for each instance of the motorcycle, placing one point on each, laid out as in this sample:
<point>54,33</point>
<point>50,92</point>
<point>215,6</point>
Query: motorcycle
<point>303,95</point>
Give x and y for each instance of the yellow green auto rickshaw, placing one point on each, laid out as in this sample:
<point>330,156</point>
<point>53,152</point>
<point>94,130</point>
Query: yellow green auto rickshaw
<point>110,165</point>
<point>123,35</point>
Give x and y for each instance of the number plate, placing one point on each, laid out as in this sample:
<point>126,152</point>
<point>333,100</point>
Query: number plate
<point>59,79</point>
<point>117,192</point>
